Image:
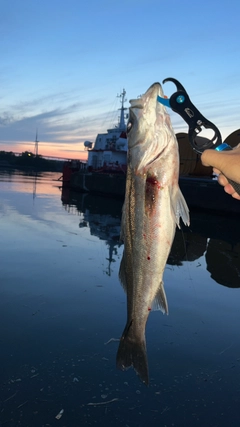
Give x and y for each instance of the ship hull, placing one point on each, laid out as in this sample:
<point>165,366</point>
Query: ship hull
<point>199,192</point>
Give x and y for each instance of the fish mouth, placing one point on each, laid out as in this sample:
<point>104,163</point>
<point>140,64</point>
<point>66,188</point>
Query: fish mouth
<point>154,84</point>
<point>152,94</point>
<point>155,87</point>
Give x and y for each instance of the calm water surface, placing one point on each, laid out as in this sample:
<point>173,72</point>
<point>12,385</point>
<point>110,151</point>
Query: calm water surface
<point>61,303</point>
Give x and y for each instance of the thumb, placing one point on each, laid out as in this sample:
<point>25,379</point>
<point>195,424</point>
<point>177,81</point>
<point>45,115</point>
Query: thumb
<point>212,158</point>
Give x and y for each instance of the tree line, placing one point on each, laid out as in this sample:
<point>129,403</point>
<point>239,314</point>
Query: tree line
<point>28,160</point>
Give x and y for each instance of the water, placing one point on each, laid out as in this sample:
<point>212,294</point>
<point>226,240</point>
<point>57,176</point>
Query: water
<point>61,302</point>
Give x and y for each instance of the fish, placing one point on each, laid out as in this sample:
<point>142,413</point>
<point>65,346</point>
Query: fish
<point>152,208</point>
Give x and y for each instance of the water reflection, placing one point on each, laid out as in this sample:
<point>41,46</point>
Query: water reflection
<point>216,238</point>
<point>27,181</point>
<point>58,309</point>
<point>101,216</point>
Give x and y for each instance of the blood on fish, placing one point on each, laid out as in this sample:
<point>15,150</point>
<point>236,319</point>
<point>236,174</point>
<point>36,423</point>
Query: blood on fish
<point>153,181</point>
<point>148,258</point>
<point>149,309</point>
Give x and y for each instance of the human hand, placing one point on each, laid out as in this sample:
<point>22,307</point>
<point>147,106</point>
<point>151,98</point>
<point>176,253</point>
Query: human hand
<point>226,164</point>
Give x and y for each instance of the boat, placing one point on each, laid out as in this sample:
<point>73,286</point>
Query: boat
<point>109,153</point>
<point>105,170</point>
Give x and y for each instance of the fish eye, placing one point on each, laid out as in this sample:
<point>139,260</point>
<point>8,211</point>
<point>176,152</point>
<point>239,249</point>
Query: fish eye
<point>129,126</point>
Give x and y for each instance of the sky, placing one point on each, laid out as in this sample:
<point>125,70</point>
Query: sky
<point>63,63</point>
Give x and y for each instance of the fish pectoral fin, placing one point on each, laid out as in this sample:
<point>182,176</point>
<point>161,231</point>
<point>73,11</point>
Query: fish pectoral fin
<point>181,209</point>
<point>160,300</point>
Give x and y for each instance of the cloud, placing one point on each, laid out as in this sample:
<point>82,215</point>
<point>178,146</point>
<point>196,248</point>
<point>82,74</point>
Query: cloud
<point>5,119</point>
<point>66,123</point>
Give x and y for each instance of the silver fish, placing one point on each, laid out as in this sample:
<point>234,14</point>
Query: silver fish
<point>153,206</point>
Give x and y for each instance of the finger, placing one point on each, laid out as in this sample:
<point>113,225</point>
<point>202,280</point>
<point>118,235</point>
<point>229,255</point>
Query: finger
<point>212,158</point>
<point>236,196</point>
<point>230,190</point>
<point>222,180</point>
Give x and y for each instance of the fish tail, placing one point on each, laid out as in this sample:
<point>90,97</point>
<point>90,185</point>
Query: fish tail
<point>132,352</point>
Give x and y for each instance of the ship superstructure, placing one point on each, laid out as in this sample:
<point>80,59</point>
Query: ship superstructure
<point>109,152</point>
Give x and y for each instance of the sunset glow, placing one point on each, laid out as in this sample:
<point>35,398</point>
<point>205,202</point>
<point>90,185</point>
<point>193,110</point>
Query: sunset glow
<point>62,77</point>
<point>47,149</point>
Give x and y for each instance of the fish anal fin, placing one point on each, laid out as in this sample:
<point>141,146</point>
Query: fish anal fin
<point>160,300</point>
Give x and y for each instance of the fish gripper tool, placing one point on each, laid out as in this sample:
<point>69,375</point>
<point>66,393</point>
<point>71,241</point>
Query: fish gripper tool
<point>181,104</point>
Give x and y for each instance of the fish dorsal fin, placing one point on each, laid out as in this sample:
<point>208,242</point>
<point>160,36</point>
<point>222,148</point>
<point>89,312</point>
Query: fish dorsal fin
<point>180,208</point>
<point>160,300</point>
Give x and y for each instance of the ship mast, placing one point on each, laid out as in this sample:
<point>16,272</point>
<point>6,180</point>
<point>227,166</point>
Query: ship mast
<point>36,144</point>
<point>122,125</point>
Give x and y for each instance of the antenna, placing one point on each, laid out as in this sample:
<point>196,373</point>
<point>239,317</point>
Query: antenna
<point>122,100</point>
<point>36,144</point>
